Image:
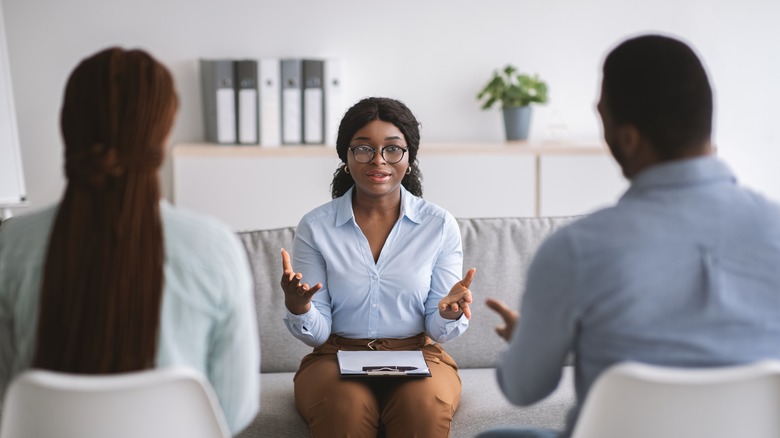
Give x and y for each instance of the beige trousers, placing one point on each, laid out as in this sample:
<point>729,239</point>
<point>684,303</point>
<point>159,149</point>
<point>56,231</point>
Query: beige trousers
<point>362,407</point>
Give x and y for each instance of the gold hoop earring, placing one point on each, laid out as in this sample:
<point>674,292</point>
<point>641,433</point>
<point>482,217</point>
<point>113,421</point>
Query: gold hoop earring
<point>346,169</point>
<point>409,170</point>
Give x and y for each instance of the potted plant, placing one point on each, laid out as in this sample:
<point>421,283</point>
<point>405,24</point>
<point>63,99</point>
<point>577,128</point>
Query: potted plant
<point>516,92</point>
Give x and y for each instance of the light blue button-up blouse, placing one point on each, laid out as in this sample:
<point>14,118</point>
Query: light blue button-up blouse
<point>396,297</point>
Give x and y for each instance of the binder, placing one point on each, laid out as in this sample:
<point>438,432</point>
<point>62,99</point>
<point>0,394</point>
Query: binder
<point>292,101</point>
<point>382,363</point>
<point>270,102</point>
<point>334,106</point>
<point>246,99</point>
<point>313,103</point>
<point>219,100</point>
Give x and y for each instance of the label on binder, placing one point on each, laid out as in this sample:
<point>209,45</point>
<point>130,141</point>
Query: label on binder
<point>312,108</point>
<point>226,115</point>
<point>247,114</point>
<point>291,118</point>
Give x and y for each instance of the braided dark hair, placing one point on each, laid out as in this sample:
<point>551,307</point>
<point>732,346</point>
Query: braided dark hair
<point>102,285</point>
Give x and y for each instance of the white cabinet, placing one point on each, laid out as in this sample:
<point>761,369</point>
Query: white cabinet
<point>470,181</point>
<point>259,188</point>
<point>573,184</point>
<point>250,188</point>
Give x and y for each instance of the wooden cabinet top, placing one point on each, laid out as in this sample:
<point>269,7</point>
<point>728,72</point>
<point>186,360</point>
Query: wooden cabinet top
<point>426,148</point>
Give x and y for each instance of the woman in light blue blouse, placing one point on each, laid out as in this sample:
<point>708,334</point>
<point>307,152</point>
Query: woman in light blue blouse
<point>386,270</point>
<point>112,280</point>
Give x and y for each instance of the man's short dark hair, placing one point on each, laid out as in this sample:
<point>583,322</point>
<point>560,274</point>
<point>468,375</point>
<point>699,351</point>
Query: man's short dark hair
<point>658,84</point>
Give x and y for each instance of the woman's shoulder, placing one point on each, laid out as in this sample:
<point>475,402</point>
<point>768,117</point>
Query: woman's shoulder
<point>28,230</point>
<point>188,234</point>
<point>185,221</point>
<point>321,213</point>
<point>423,208</point>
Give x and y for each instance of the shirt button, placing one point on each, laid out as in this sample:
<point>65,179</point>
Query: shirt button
<point>375,276</point>
<point>374,306</point>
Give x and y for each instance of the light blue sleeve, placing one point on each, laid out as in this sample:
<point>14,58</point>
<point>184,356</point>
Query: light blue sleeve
<point>314,326</point>
<point>23,246</point>
<point>6,324</point>
<point>447,270</point>
<point>20,273</point>
<point>530,369</point>
<point>234,354</point>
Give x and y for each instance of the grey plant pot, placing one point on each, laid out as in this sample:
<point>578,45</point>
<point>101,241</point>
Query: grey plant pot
<point>517,122</point>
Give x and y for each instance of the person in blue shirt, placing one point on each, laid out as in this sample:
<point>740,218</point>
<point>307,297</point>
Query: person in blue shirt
<point>379,268</point>
<point>682,271</point>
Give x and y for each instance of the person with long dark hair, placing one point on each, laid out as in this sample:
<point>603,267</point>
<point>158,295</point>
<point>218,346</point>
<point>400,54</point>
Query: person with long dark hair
<point>111,279</point>
<point>387,266</point>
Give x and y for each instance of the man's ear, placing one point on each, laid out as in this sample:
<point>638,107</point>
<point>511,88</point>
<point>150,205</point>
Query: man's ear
<point>626,147</point>
<point>629,139</point>
<point>638,153</point>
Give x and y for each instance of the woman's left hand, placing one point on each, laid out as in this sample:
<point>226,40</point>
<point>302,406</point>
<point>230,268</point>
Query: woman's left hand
<point>456,303</point>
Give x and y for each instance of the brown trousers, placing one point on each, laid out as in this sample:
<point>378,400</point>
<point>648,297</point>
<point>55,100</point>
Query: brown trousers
<point>361,407</point>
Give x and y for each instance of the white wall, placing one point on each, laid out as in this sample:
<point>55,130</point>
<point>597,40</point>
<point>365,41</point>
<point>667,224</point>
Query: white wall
<point>433,54</point>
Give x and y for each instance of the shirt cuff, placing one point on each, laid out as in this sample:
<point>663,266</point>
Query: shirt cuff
<point>302,323</point>
<point>450,328</point>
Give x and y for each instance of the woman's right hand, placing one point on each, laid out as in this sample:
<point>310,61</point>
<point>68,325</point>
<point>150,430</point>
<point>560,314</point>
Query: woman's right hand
<point>297,295</point>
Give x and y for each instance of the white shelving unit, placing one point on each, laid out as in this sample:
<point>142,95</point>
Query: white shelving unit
<point>252,187</point>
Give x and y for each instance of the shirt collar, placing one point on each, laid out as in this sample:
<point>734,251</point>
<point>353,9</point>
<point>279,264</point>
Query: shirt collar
<point>686,172</point>
<point>344,213</point>
<point>410,206</point>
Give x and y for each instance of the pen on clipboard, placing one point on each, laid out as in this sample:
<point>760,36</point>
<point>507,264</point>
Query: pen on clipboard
<point>389,369</point>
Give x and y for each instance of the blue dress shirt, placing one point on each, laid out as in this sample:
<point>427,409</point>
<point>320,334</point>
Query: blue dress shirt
<point>683,271</point>
<point>396,297</point>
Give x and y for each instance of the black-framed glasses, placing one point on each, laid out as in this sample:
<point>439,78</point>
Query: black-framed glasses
<point>364,153</point>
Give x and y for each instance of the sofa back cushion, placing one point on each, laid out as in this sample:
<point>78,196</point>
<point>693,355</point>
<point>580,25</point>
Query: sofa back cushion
<point>499,248</point>
<point>280,351</point>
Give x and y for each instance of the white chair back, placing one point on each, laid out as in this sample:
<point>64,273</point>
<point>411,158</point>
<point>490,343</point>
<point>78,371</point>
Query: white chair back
<point>643,401</point>
<point>164,402</point>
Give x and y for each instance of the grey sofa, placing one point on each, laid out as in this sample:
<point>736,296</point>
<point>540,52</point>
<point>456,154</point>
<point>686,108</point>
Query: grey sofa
<point>499,248</point>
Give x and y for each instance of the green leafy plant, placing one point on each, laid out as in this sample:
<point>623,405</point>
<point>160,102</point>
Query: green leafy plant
<point>513,89</point>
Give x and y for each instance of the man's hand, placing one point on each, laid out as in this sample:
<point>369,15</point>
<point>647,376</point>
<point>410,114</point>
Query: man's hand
<point>508,315</point>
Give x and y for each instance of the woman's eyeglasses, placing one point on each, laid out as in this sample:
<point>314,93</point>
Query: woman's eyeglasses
<point>364,154</point>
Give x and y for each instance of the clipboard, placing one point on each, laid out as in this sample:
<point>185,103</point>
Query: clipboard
<point>382,364</point>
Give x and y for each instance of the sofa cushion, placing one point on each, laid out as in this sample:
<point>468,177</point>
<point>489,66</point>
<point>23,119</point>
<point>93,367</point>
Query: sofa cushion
<point>278,416</point>
<point>482,406</point>
<point>501,249</point>
<point>280,351</point>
